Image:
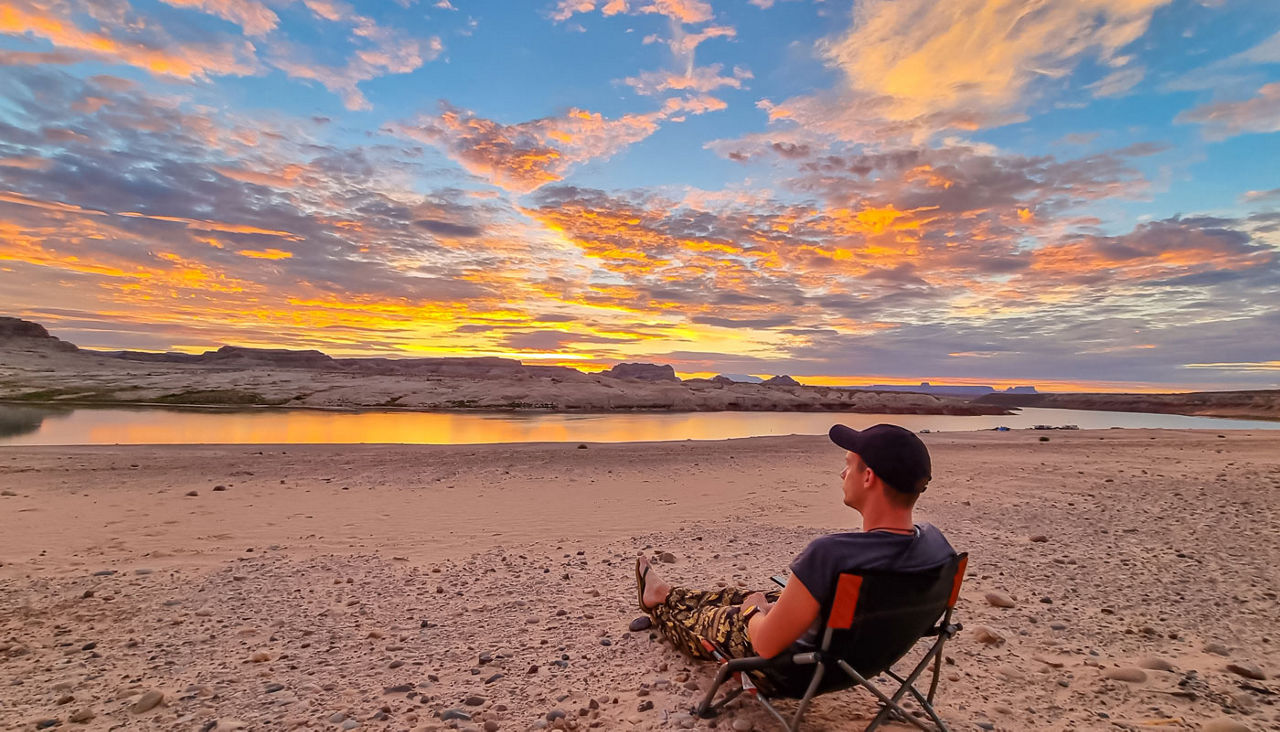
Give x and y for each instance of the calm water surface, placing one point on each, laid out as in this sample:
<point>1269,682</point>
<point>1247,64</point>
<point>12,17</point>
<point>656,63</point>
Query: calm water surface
<point>23,425</point>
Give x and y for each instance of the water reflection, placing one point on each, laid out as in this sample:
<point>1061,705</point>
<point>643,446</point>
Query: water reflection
<point>16,421</point>
<point>22,425</point>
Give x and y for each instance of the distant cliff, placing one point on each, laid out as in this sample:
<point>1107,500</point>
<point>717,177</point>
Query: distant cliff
<point>1262,404</point>
<point>37,368</point>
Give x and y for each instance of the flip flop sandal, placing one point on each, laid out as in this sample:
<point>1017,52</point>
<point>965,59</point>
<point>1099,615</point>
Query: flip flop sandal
<point>640,583</point>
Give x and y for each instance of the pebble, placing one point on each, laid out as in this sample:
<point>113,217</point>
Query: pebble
<point>1039,539</point>
<point>988,636</point>
<point>1247,671</point>
<point>742,725</point>
<point>260,657</point>
<point>667,557</point>
<point>493,678</point>
<point>606,642</point>
<point>1225,724</point>
<point>193,494</point>
<point>273,688</point>
<point>219,488</point>
<point>350,724</point>
<point>641,623</point>
<point>397,689</point>
<point>337,717</point>
<point>1126,673</point>
<point>148,701</point>
<point>458,714</point>
<point>473,701</point>
<point>1000,599</point>
<point>1155,663</point>
<point>490,725</point>
<point>81,716</point>
<point>47,723</point>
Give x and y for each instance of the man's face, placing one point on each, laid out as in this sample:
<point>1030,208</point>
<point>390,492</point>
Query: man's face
<point>855,477</point>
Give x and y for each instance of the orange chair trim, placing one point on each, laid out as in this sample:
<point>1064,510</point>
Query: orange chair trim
<point>955,585</point>
<point>846,602</point>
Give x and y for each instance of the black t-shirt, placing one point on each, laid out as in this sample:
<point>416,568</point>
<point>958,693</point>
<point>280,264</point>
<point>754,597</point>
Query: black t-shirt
<point>827,557</point>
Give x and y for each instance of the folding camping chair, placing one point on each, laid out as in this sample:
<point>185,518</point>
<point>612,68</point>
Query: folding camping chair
<point>875,619</point>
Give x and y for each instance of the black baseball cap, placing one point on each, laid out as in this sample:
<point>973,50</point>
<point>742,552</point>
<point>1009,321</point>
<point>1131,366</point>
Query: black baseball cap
<point>894,453</point>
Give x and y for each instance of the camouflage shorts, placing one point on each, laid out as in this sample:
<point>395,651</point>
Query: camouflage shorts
<point>687,616</point>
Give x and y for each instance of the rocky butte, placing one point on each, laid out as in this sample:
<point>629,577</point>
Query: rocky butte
<point>36,367</point>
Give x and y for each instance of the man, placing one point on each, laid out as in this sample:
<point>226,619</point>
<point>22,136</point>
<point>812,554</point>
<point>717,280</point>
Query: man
<point>886,469</point>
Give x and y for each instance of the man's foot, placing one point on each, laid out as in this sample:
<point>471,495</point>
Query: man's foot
<point>652,590</point>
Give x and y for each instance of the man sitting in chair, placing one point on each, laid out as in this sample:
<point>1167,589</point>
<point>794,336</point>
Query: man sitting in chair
<point>886,469</point>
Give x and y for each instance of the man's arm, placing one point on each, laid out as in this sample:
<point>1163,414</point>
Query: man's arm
<point>780,624</point>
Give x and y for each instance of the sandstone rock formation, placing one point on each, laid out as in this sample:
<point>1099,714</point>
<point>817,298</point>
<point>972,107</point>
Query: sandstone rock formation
<point>643,372</point>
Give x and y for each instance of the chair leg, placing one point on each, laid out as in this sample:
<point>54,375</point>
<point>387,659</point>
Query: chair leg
<point>891,704</point>
<point>705,708</point>
<point>808,697</point>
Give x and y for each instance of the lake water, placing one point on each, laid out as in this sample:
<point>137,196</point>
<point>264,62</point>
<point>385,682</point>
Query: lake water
<point>26,425</point>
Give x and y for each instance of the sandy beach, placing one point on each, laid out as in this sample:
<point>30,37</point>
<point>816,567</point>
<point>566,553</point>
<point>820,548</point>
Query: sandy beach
<point>388,587</point>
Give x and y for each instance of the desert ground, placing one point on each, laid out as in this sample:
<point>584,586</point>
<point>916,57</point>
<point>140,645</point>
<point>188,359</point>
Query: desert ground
<point>490,587</point>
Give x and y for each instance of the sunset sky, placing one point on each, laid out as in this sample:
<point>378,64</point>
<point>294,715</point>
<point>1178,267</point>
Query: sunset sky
<point>1068,193</point>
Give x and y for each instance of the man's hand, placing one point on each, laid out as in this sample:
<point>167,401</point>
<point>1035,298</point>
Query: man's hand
<point>759,600</point>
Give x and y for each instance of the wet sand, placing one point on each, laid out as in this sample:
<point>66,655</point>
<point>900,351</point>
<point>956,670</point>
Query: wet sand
<point>388,586</point>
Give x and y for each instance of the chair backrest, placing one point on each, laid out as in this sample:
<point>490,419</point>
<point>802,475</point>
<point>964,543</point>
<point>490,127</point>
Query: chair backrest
<point>877,616</point>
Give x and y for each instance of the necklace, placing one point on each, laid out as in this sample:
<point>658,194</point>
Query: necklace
<point>893,530</point>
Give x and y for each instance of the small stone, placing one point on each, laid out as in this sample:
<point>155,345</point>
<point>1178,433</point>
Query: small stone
<point>1225,724</point>
<point>742,725</point>
<point>337,717</point>
<point>645,705</point>
<point>667,557</point>
<point>555,714</point>
<point>47,723</point>
<point>193,494</point>
<point>80,716</point>
<point>493,678</point>
<point>274,687</point>
<point>490,725</point>
<point>641,623</point>
<point>397,689</point>
<point>104,573</point>
<point>458,714</point>
<point>988,636</point>
<point>395,664</point>
<point>473,701</point>
<point>219,488</point>
<point>1039,539</point>
<point>606,642</point>
<point>1000,599</point>
<point>1247,671</point>
<point>1155,663</point>
<point>65,699</point>
<point>350,724</point>
<point>1058,626</point>
<point>147,702</point>
<point>260,657</point>
<point>1130,674</point>
<point>1217,649</point>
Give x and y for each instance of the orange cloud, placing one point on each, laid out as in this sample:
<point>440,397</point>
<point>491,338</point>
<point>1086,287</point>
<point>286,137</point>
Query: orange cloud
<point>203,225</point>
<point>46,20</point>
<point>265,254</point>
<point>915,67</point>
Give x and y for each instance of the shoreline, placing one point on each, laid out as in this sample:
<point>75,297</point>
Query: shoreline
<point>350,570</point>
